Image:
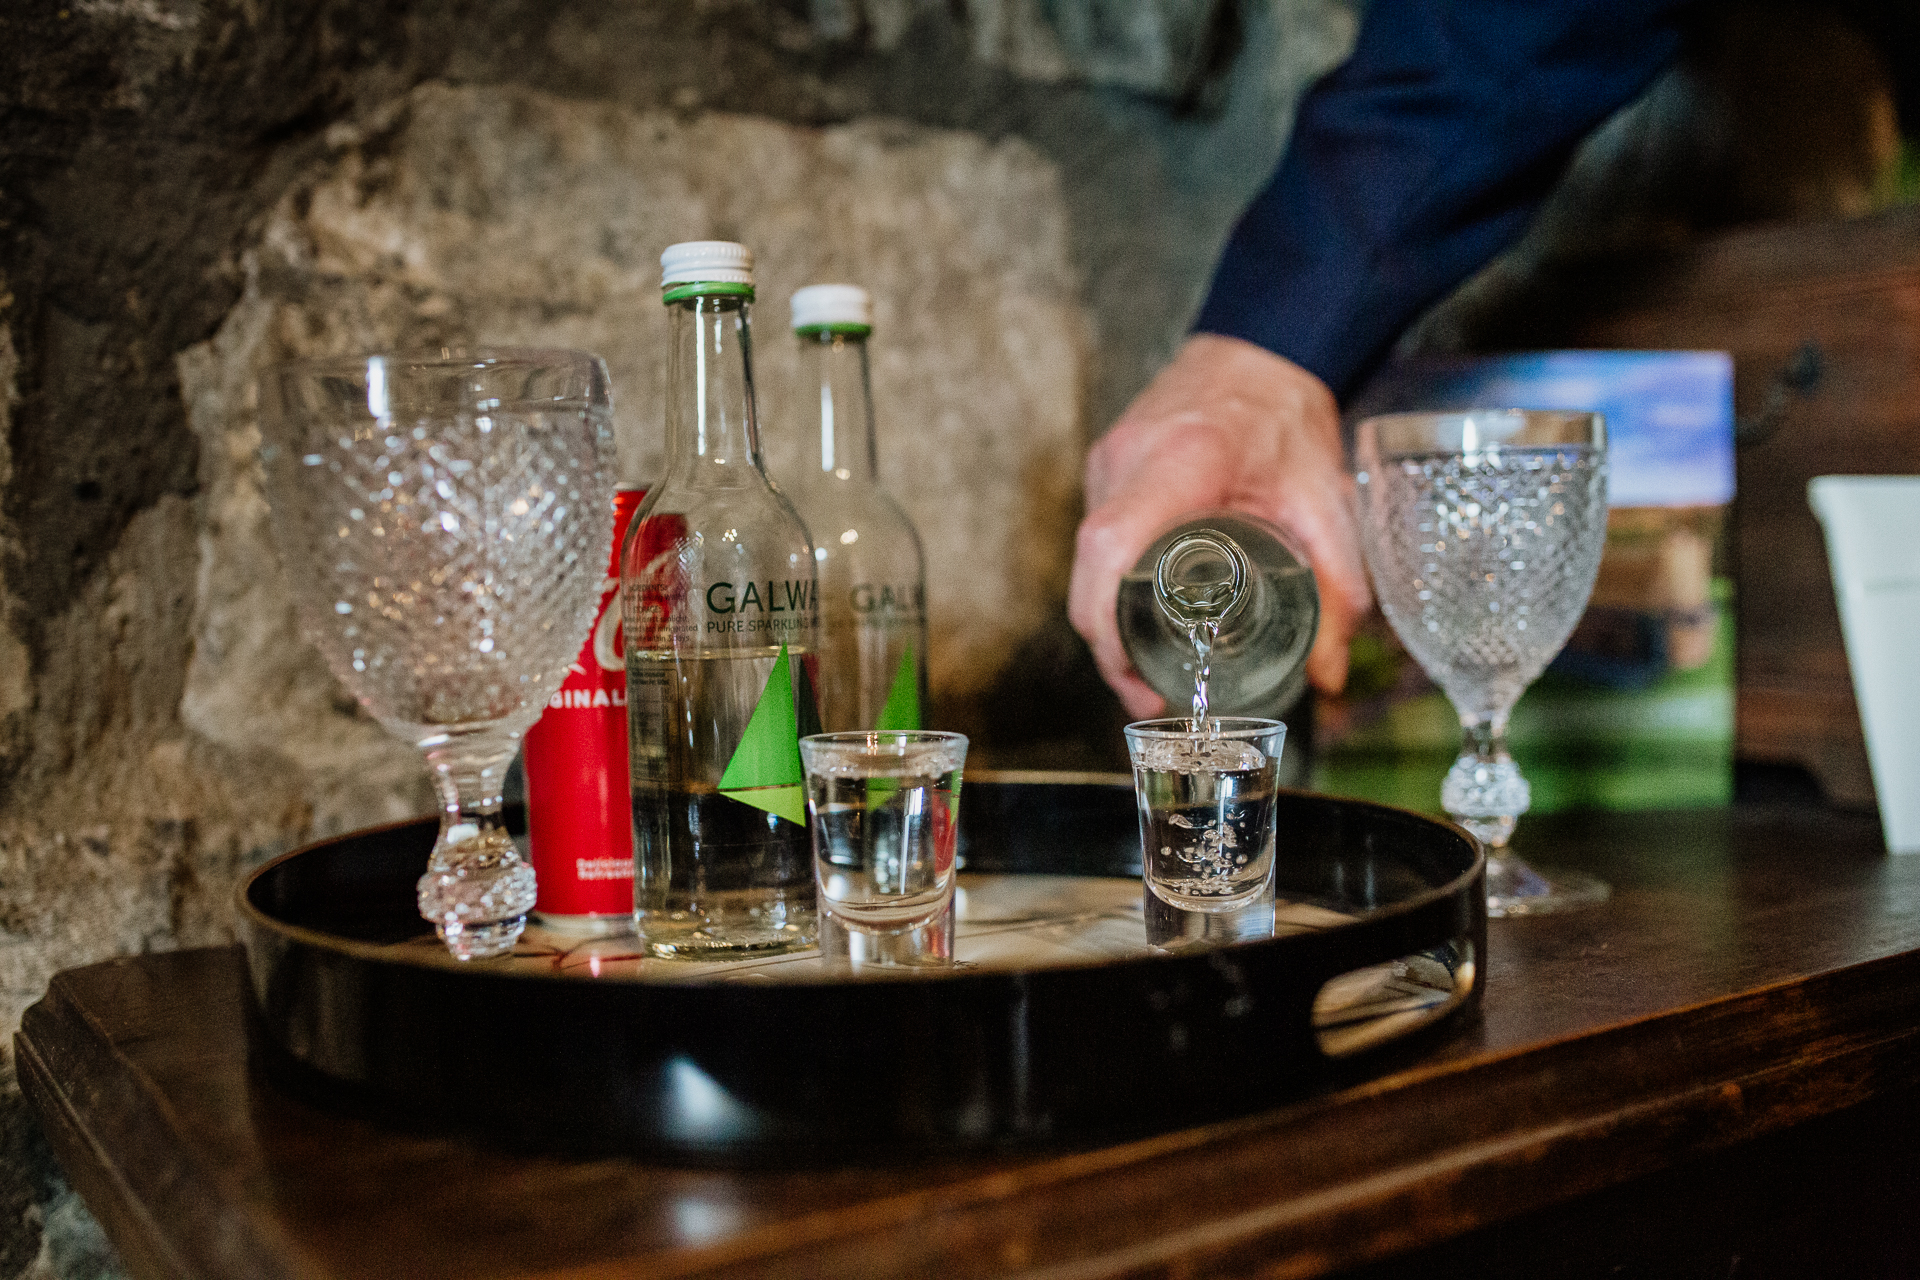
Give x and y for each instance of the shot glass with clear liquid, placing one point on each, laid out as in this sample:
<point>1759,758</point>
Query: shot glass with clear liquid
<point>883,807</point>
<point>1206,795</point>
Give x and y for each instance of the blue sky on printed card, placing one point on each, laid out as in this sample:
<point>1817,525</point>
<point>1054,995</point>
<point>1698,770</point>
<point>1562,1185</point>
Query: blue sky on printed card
<point>1669,413</point>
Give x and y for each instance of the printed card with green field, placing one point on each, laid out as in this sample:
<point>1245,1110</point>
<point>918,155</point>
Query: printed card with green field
<point>1637,711</point>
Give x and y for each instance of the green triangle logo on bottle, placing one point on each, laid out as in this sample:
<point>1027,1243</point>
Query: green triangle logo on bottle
<point>902,712</point>
<point>765,770</point>
<point>903,699</point>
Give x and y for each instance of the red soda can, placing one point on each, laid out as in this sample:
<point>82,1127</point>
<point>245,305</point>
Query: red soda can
<point>579,817</point>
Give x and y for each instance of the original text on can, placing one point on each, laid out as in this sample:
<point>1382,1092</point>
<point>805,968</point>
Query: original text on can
<point>578,817</point>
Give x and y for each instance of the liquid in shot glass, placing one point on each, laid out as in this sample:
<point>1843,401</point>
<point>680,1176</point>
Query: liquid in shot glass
<point>1206,795</point>
<point>884,807</point>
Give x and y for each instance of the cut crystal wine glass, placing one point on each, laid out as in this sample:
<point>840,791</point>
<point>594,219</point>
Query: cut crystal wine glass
<point>445,523</point>
<point>1483,532</point>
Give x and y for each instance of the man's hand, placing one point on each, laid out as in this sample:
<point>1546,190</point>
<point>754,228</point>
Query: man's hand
<point>1226,424</point>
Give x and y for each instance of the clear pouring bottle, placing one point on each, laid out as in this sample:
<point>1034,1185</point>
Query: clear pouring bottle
<point>872,672</point>
<point>720,604</point>
<point>1232,572</point>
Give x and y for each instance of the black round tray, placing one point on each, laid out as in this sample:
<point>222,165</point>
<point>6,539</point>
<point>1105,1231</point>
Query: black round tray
<point>816,1070</point>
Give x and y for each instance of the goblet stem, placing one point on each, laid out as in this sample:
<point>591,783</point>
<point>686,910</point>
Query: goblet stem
<point>1484,791</point>
<point>477,890</point>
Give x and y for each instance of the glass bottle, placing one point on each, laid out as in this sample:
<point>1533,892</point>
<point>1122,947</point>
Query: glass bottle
<point>872,672</point>
<point>720,604</point>
<point>1236,573</point>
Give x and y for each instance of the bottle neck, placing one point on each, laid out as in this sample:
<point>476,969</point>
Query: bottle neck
<point>712,426</point>
<point>834,368</point>
<point>1203,577</point>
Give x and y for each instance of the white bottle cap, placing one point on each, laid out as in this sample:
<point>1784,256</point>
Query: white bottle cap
<point>819,306</point>
<point>706,262</point>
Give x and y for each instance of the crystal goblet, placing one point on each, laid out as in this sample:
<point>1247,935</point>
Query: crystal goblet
<point>1483,532</point>
<point>445,523</point>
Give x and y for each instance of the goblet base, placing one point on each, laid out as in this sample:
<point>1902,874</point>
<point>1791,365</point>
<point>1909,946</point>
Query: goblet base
<point>1516,889</point>
<point>477,892</point>
<point>481,941</point>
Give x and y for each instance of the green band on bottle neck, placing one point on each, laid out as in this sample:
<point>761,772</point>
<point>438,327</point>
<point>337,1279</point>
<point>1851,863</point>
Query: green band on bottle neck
<point>705,289</point>
<point>835,330</point>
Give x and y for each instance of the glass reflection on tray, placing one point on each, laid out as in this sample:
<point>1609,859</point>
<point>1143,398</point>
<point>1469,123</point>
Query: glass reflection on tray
<point>1017,922</point>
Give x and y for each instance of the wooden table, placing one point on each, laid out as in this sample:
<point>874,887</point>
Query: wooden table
<point>1711,1075</point>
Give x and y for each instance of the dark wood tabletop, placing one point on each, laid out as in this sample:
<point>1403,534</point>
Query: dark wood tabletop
<point>1740,1023</point>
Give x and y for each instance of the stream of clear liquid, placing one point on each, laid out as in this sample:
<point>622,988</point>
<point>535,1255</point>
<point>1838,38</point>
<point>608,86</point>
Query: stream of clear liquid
<point>1199,608</point>
<point>1202,632</point>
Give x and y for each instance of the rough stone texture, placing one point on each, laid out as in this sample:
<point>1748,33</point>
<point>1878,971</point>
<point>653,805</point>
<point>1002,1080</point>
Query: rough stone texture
<point>16,693</point>
<point>476,216</point>
<point>251,684</point>
<point>1156,47</point>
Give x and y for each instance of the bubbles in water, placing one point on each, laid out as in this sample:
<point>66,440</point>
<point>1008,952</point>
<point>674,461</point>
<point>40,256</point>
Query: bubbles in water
<point>885,760</point>
<point>1202,755</point>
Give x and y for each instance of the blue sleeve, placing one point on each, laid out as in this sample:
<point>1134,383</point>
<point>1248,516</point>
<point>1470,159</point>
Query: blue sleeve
<point>1418,160</point>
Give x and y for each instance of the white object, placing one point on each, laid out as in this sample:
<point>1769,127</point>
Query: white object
<point>825,304</point>
<point>706,262</point>
<point>1873,546</point>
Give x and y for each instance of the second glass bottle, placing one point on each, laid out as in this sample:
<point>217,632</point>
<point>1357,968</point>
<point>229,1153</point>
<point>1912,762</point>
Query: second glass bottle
<point>721,623</point>
<point>873,620</point>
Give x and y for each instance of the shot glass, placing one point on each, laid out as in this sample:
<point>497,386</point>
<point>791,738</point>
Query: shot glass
<point>1206,799</point>
<point>883,807</point>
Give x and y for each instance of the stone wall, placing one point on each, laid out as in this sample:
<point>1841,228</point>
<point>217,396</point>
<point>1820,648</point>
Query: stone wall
<point>504,215</point>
